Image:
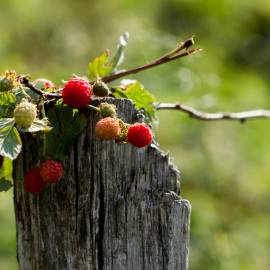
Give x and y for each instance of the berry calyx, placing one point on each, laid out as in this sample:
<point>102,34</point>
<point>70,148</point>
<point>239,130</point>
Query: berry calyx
<point>107,110</point>
<point>51,171</point>
<point>122,136</point>
<point>139,135</point>
<point>1,161</point>
<point>33,182</point>
<point>43,84</point>
<point>107,128</point>
<point>77,93</point>
<point>7,82</point>
<point>25,113</point>
<point>101,89</point>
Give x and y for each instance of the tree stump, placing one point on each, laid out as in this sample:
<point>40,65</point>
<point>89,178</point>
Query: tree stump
<point>116,209</point>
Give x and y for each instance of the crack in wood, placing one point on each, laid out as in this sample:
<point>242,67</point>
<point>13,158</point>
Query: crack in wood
<point>101,223</point>
<point>76,178</point>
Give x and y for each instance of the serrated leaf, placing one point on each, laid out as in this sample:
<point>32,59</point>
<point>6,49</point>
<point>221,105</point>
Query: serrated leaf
<point>33,95</point>
<point>100,66</point>
<point>10,141</point>
<point>119,55</point>
<point>37,125</point>
<point>142,99</point>
<point>67,125</point>
<point>19,94</point>
<point>7,104</point>
<point>5,185</point>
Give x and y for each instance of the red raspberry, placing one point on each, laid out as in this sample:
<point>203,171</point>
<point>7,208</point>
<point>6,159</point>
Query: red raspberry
<point>77,93</point>
<point>139,135</point>
<point>33,182</point>
<point>1,161</point>
<point>107,128</point>
<point>51,171</point>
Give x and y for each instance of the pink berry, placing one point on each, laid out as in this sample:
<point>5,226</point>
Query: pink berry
<point>51,171</point>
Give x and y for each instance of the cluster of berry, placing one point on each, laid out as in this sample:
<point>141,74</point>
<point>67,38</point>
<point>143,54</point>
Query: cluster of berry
<point>50,171</point>
<point>78,93</point>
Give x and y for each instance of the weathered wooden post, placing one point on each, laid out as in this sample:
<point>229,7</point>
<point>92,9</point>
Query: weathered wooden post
<point>116,209</point>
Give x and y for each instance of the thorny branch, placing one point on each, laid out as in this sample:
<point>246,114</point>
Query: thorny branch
<point>171,56</point>
<point>241,116</point>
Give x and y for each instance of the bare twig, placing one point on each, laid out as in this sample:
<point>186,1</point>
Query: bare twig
<point>241,116</point>
<point>171,56</point>
<point>25,82</point>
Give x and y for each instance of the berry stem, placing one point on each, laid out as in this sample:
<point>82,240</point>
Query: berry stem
<point>93,108</point>
<point>23,92</point>
<point>43,113</point>
<point>42,109</point>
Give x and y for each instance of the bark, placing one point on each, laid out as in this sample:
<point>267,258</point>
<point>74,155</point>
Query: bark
<point>117,208</point>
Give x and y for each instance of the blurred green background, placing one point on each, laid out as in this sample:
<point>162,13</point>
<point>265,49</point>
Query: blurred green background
<point>224,165</point>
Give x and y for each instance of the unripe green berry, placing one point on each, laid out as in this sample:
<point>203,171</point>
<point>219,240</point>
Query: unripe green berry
<point>101,89</point>
<point>6,84</point>
<point>25,113</point>
<point>107,110</point>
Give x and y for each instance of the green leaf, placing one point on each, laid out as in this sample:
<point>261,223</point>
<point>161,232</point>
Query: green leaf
<point>119,55</point>
<point>142,99</point>
<point>10,141</point>
<point>7,104</point>
<point>67,125</point>
<point>5,185</point>
<point>100,66</point>
<point>6,169</point>
<point>33,95</point>
<point>6,175</point>
<point>76,127</point>
<point>38,125</point>
<point>24,92</point>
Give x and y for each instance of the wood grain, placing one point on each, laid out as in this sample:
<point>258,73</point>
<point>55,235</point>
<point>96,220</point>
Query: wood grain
<point>117,208</point>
